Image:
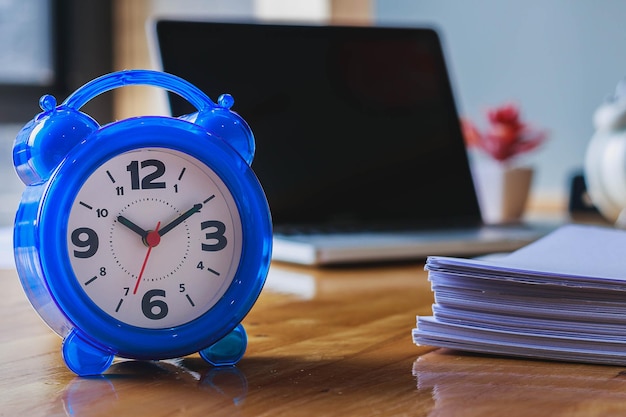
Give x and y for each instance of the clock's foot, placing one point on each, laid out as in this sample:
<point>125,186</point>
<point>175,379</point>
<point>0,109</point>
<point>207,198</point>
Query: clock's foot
<point>227,351</point>
<point>83,358</point>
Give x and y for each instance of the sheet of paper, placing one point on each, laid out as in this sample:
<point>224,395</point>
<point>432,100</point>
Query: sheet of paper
<point>576,250</point>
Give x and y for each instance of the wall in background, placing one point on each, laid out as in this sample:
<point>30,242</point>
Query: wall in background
<point>558,59</point>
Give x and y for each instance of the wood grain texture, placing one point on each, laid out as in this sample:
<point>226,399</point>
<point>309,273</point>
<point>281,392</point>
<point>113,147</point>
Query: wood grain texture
<point>340,347</point>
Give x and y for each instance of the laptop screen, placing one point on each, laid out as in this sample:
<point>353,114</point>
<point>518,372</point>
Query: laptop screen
<point>353,125</point>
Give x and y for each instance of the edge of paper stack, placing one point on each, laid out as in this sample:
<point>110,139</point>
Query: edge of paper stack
<point>562,297</point>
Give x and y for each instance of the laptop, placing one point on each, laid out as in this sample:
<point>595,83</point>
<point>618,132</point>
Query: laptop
<point>359,148</point>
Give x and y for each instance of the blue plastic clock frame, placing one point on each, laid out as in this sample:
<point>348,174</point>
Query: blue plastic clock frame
<point>215,135</point>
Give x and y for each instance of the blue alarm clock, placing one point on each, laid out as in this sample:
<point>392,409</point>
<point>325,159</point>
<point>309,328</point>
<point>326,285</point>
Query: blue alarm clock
<point>146,238</point>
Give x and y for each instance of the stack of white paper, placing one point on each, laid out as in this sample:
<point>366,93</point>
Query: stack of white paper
<point>562,297</point>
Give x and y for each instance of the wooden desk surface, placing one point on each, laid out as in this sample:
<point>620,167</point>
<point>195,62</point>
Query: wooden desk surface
<point>334,342</point>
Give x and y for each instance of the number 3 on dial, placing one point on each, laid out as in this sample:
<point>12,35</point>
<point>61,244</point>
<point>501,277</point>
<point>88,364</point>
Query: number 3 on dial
<point>166,230</point>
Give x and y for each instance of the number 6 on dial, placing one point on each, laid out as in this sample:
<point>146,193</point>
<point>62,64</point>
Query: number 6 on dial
<point>146,238</point>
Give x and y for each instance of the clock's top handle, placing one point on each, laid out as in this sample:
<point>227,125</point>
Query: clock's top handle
<point>45,141</point>
<point>216,118</point>
<point>141,77</point>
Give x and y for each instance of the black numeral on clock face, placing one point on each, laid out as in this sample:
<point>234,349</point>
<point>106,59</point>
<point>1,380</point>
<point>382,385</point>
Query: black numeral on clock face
<point>214,235</point>
<point>148,181</point>
<point>87,238</point>
<point>153,306</point>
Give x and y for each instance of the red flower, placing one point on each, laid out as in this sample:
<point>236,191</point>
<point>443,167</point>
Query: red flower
<point>506,136</point>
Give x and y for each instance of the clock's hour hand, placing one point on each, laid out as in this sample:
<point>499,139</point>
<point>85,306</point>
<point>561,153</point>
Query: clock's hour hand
<point>132,226</point>
<point>180,219</point>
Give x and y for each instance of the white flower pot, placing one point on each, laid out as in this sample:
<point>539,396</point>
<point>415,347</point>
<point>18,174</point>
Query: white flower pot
<point>502,191</point>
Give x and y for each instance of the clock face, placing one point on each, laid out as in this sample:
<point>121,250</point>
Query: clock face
<point>154,238</point>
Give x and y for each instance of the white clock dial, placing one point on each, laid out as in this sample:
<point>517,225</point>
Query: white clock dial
<point>154,238</point>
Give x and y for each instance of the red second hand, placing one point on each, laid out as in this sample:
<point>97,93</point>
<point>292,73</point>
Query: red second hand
<point>152,239</point>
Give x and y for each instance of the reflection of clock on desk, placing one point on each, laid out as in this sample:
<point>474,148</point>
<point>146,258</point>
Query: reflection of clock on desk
<point>147,238</point>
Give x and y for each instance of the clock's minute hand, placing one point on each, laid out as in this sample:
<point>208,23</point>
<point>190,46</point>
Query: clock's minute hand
<point>180,219</point>
<point>132,226</point>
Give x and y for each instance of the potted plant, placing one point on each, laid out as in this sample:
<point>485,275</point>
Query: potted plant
<point>502,182</point>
